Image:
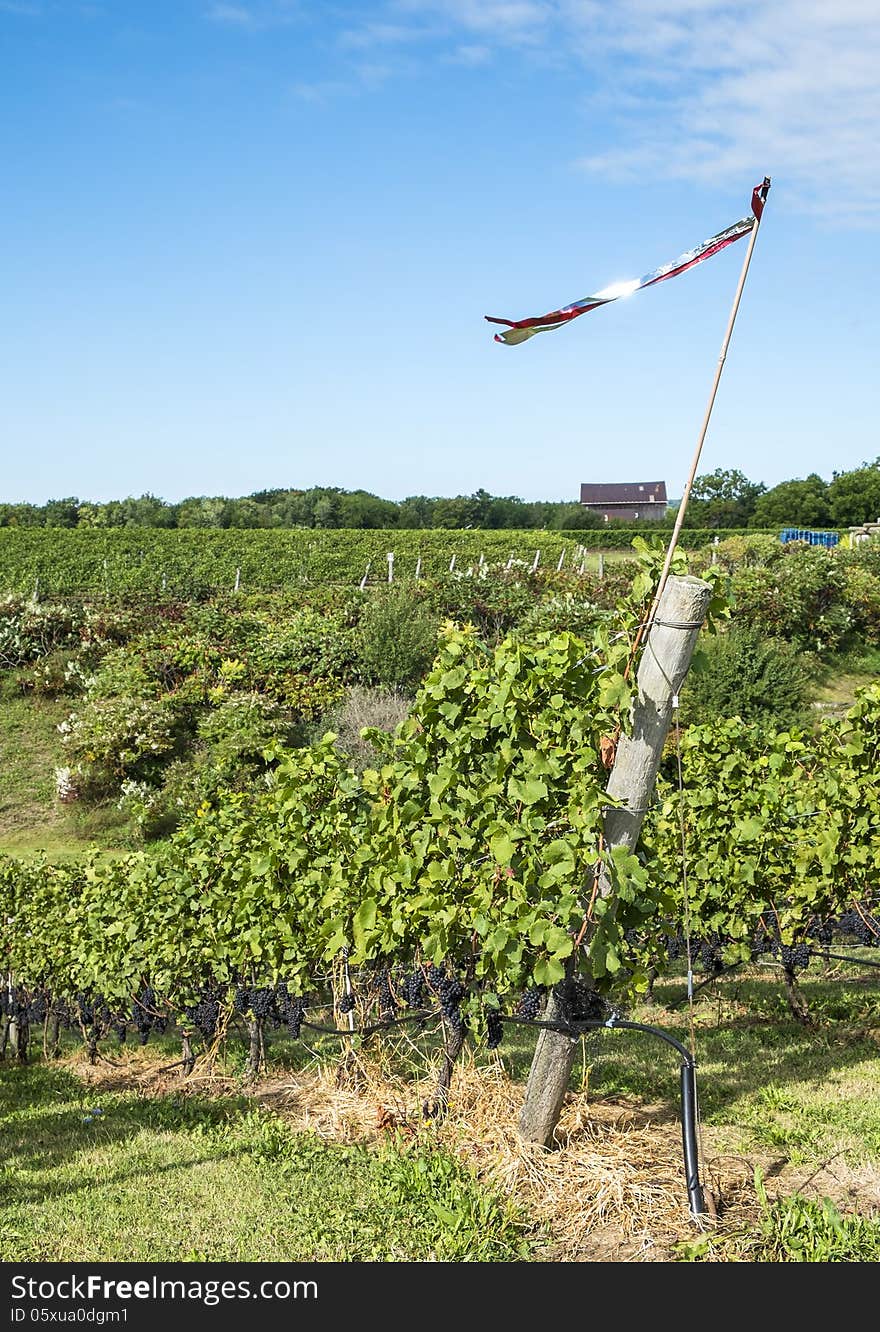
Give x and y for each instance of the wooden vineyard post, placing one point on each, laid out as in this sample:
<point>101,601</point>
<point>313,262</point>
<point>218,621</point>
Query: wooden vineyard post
<point>662,670</point>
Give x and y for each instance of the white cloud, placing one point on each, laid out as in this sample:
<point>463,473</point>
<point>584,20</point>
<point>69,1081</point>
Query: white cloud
<point>379,34</point>
<point>255,16</point>
<point>787,89</point>
<point>706,90</point>
<point>236,15</point>
<point>470,54</point>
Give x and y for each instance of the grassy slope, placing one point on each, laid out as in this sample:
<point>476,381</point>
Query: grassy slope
<point>31,819</point>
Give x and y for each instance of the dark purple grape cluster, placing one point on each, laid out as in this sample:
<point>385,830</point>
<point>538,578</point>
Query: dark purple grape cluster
<point>387,1002</point>
<point>242,1000</point>
<point>346,1003</point>
<point>676,946</point>
<point>205,1013</point>
<point>710,956</point>
<point>36,1008</point>
<point>294,1013</point>
<point>579,1002</point>
<point>794,958</point>
<point>872,924</point>
<point>857,925</point>
<point>413,988</point>
<point>494,1028</point>
<point>143,1014</point>
<point>821,930</point>
<point>450,992</point>
<point>529,1005</point>
<point>262,1002</point>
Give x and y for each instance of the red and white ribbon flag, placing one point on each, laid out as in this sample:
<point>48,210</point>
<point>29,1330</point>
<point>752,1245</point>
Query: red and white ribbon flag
<point>519,330</point>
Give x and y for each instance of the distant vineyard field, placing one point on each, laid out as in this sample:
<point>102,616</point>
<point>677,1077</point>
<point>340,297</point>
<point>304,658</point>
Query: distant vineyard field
<point>62,560</point>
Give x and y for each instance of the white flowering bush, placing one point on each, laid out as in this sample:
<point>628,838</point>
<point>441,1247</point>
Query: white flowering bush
<point>113,740</point>
<point>65,785</point>
<point>31,629</point>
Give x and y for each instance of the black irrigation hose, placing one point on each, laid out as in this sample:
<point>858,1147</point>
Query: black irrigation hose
<point>856,961</point>
<point>421,1015</point>
<point>576,1028</point>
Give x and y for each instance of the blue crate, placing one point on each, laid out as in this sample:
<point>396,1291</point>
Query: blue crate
<point>812,538</point>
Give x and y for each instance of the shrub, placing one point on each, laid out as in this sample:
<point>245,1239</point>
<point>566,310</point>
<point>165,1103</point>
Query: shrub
<point>30,630</point>
<point>742,674</point>
<point>398,639</point>
<point>240,728</point>
<point>60,672</point>
<point>801,598</point>
<point>563,611</point>
<point>114,739</point>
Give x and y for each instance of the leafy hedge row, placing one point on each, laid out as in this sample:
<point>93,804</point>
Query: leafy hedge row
<point>63,560</point>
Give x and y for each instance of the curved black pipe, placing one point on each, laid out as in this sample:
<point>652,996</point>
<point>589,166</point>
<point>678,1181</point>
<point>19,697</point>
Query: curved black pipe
<point>854,961</point>
<point>696,1200</point>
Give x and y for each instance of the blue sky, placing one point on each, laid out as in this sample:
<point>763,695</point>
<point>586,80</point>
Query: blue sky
<point>251,244</point>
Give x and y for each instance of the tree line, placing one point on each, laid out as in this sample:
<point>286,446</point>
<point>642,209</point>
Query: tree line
<point>725,498</point>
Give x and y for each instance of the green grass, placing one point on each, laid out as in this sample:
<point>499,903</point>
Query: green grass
<point>837,681</point>
<point>31,819</point>
<point>792,1230</point>
<point>119,1177</point>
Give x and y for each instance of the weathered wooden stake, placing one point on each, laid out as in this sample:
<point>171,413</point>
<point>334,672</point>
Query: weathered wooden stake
<point>19,1037</point>
<point>662,670</point>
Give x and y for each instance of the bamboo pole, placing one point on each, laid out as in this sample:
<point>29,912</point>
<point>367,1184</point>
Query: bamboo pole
<point>679,517</point>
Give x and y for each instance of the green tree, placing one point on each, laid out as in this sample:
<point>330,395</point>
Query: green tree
<point>61,513</point>
<point>723,498</point>
<point>855,496</point>
<point>203,511</point>
<point>360,509</point>
<point>415,512</point>
<point>801,503</point>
